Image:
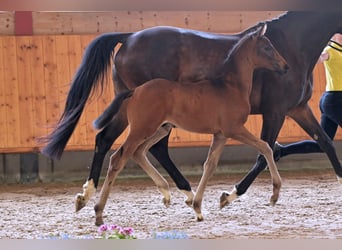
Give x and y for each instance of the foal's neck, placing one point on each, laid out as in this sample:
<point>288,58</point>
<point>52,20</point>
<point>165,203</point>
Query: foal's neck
<point>238,71</point>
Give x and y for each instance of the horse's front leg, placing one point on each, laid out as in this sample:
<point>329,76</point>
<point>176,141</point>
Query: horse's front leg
<point>304,117</point>
<point>270,130</point>
<point>209,166</point>
<point>103,143</point>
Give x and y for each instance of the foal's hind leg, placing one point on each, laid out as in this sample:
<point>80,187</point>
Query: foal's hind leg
<point>161,133</point>
<point>246,137</point>
<point>140,157</point>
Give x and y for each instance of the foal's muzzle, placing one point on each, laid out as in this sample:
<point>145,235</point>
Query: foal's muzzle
<point>284,69</point>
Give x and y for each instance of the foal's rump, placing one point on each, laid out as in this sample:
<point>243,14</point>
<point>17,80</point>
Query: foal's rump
<point>113,108</point>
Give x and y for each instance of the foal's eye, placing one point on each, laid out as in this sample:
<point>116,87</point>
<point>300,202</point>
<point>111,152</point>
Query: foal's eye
<point>267,48</point>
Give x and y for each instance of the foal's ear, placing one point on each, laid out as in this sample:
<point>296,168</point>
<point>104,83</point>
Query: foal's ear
<point>262,30</point>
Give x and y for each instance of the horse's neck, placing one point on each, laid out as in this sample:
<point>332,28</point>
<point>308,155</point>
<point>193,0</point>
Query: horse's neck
<point>302,40</point>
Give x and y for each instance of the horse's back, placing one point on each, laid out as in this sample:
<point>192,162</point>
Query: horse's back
<point>171,53</point>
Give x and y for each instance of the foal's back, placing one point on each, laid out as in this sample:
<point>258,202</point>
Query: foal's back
<point>204,107</point>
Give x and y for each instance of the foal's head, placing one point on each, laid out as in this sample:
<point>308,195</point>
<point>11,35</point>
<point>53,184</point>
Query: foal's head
<point>257,49</point>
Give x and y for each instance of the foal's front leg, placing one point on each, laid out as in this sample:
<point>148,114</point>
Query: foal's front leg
<point>209,166</point>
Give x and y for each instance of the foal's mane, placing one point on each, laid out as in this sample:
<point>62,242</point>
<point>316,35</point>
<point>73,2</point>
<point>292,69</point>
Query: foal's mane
<point>232,52</point>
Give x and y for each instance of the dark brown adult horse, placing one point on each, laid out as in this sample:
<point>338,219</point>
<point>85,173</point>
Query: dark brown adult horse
<point>219,107</point>
<point>192,55</point>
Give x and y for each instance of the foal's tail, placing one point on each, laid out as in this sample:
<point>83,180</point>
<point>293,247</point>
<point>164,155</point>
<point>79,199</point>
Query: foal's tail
<point>89,77</point>
<point>112,109</point>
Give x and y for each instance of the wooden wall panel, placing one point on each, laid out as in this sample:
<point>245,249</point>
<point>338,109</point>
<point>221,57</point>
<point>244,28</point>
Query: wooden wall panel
<point>6,22</point>
<point>127,21</point>
<point>3,118</point>
<point>35,75</point>
<point>11,92</point>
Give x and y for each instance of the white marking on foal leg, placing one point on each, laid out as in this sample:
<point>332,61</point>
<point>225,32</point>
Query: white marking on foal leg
<point>190,197</point>
<point>167,196</point>
<point>82,199</point>
<point>227,198</point>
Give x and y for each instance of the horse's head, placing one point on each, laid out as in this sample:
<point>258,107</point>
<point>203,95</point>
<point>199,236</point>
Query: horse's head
<point>265,55</point>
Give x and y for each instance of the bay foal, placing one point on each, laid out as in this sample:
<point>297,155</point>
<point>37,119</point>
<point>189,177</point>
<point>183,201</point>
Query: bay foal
<point>218,107</point>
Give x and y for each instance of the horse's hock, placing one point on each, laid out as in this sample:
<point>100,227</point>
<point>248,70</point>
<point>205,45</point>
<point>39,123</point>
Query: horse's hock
<point>35,70</point>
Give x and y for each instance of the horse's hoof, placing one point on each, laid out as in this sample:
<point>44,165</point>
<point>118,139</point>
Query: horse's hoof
<point>339,179</point>
<point>227,198</point>
<point>80,202</point>
<point>224,199</point>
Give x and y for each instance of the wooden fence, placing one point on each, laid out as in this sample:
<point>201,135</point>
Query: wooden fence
<point>35,72</point>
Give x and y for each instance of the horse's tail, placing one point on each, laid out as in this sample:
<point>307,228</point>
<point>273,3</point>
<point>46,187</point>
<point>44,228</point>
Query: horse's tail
<point>112,109</point>
<point>89,77</point>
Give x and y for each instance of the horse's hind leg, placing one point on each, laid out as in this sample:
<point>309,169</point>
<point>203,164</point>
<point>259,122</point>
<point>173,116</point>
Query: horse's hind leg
<point>246,137</point>
<point>209,166</point>
<point>103,143</point>
<point>304,117</point>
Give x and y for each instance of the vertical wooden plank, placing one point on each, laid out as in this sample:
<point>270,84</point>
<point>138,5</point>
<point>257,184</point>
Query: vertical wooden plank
<point>24,48</point>
<point>3,104</point>
<point>75,56</point>
<point>50,80</point>
<point>38,88</point>
<point>90,112</point>
<point>63,73</point>
<point>11,91</point>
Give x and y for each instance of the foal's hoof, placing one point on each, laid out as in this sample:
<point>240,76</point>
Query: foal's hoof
<point>190,197</point>
<point>166,202</point>
<point>189,202</point>
<point>80,202</point>
<point>273,200</point>
<point>99,222</point>
<point>199,217</point>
